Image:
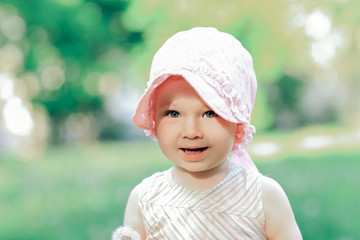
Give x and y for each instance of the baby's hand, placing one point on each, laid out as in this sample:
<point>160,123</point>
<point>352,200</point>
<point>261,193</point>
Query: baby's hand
<point>125,233</point>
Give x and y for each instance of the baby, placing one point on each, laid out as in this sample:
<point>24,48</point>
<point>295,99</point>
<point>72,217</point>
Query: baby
<point>198,105</point>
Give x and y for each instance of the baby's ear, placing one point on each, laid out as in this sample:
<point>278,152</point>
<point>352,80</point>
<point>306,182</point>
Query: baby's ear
<point>239,133</point>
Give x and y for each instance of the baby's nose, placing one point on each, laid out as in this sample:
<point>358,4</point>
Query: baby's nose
<point>191,129</point>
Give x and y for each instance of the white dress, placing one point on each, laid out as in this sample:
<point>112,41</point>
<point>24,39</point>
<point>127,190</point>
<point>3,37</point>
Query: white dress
<point>232,209</point>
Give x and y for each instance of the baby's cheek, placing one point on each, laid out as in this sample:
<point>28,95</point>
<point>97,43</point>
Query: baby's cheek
<point>165,129</point>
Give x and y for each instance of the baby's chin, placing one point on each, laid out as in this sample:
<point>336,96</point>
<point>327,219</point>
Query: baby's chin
<point>201,168</point>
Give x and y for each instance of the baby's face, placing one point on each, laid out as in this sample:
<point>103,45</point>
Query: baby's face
<point>190,134</point>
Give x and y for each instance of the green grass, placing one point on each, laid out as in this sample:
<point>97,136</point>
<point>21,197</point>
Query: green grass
<point>80,191</point>
<point>324,191</point>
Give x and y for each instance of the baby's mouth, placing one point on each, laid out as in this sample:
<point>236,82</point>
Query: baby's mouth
<point>194,150</point>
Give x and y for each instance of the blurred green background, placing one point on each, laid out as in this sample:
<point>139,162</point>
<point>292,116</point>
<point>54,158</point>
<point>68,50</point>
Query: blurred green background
<point>72,71</point>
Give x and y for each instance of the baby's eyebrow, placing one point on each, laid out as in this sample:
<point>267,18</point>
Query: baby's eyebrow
<point>164,104</point>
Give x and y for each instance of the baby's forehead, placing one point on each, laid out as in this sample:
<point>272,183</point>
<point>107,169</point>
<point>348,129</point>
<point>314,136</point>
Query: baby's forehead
<point>173,90</point>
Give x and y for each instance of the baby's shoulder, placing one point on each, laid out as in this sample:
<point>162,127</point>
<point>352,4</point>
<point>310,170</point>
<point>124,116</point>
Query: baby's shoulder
<point>154,183</point>
<point>274,197</point>
<point>271,189</point>
<point>156,178</point>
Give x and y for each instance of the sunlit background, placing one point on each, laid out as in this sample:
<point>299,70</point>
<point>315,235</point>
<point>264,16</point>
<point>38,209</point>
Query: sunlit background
<point>72,71</point>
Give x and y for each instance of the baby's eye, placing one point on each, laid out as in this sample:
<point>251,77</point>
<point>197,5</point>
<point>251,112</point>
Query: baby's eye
<point>172,114</point>
<point>210,114</point>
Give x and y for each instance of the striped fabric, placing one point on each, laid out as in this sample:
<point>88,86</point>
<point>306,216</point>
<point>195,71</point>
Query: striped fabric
<point>230,210</point>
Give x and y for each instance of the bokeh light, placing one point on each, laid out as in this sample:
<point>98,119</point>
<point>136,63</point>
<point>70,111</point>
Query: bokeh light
<point>318,25</point>
<point>17,117</point>
<point>6,87</point>
<point>13,27</point>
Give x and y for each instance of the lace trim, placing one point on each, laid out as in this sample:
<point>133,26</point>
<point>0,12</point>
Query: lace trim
<point>125,233</point>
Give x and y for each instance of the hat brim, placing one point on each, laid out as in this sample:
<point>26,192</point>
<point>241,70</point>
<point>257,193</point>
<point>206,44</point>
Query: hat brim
<point>142,117</point>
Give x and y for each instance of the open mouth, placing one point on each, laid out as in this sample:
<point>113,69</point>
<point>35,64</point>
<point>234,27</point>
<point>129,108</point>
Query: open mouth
<point>193,151</point>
